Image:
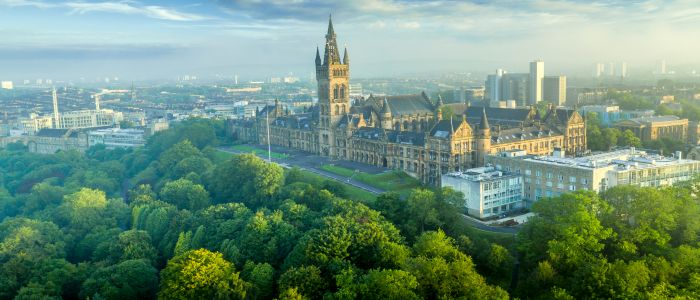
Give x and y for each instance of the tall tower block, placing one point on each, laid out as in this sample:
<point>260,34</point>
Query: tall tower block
<point>333,77</point>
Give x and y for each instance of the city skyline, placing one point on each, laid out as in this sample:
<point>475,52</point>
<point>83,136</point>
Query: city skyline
<point>156,39</point>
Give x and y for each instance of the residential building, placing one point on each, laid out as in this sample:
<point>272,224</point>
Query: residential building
<point>487,192</point>
<point>6,85</point>
<point>554,90</point>
<point>552,175</point>
<point>656,127</point>
<point>536,76</point>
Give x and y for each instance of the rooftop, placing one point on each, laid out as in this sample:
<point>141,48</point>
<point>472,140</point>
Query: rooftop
<point>481,174</point>
<point>625,159</point>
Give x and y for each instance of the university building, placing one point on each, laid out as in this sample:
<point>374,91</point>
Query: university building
<point>406,132</point>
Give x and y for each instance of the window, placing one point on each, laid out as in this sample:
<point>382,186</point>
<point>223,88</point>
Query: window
<point>549,175</point>
<point>561,177</point>
<point>572,179</point>
<point>528,172</point>
<point>538,173</point>
<point>572,187</point>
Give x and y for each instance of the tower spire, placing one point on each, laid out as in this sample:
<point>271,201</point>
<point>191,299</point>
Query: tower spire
<point>318,57</point>
<point>346,60</point>
<point>331,55</point>
<point>484,121</point>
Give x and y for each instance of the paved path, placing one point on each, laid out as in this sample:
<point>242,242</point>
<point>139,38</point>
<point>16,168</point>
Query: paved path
<point>312,163</point>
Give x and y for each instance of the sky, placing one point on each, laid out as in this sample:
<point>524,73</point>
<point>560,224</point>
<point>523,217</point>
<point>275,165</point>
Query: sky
<point>141,39</point>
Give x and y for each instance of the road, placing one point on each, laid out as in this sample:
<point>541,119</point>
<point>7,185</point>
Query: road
<point>312,163</point>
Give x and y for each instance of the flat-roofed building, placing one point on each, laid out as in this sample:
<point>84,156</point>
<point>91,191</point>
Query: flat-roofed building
<point>550,176</point>
<point>487,192</point>
<point>656,127</point>
<point>117,137</point>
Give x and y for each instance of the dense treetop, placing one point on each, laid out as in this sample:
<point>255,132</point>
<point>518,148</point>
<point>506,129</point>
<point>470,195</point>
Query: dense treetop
<point>178,219</point>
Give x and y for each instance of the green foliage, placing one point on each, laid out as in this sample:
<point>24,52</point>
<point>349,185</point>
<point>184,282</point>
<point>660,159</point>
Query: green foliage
<point>130,279</point>
<point>185,194</point>
<point>246,178</point>
<point>201,274</point>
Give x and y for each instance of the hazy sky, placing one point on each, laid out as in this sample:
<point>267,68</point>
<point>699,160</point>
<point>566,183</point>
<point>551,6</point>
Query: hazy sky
<point>164,39</point>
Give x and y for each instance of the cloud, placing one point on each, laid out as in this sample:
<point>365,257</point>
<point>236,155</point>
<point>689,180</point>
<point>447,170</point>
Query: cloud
<point>120,7</point>
<point>88,52</point>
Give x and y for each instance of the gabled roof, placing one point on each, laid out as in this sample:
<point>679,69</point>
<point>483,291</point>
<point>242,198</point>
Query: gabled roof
<point>519,134</point>
<point>495,115</point>
<point>403,104</point>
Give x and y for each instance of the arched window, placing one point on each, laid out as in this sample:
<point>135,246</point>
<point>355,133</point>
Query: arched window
<point>342,109</point>
<point>335,92</point>
<point>405,125</point>
<point>337,109</point>
<point>342,91</point>
<point>397,126</point>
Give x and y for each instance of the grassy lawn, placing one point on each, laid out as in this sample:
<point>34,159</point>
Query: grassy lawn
<point>393,181</point>
<point>259,152</point>
<point>354,193</point>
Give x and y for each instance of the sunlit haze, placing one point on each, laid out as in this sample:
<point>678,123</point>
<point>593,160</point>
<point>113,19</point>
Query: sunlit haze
<point>165,39</point>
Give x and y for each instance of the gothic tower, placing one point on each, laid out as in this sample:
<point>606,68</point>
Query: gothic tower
<point>333,91</point>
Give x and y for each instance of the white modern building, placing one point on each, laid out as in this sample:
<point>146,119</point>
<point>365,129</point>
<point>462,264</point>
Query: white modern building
<point>536,77</point>
<point>6,85</point>
<point>488,192</point>
<point>88,119</point>
<point>550,176</point>
<point>117,137</point>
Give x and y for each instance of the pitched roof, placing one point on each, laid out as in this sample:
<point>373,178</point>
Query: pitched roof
<point>519,134</point>
<point>404,104</point>
<point>445,128</point>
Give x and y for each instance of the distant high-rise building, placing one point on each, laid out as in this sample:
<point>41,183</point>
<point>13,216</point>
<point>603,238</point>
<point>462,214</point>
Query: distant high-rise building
<point>56,117</point>
<point>623,69</point>
<point>598,70</point>
<point>493,86</point>
<point>662,67</point>
<point>611,69</point>
<point>515,86</point>
<point>6,85</point>
<point>235,79</point>
<point>536,76</point>
<point>554,90</point>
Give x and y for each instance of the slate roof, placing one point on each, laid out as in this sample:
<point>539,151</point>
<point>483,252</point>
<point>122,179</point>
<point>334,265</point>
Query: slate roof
<point>562,115</point>
<point>50,132</point>
<point>370,133</point>
<point>520,134</point>
<point>445,128</point>
<point>495,115</point>
<point>406,137</point>
<point>301,121</point>
<point>403,104</point>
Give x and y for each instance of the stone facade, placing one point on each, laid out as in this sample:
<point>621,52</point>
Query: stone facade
<point>654,128</point>
<point>406,132</point>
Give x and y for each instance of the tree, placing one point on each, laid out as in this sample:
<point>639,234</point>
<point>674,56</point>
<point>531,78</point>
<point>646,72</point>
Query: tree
<point>422,212</point>
<point>444,272</point>
<point>133,244</point>
<point>261,276</point>
<point>185,194</point>
<point>246,178</point>
<point>388,284</point>
<point>629,139</point>
<point>130,279</point>
<point>201,274</point>
<point>307,280</point>
<point>178,152</point>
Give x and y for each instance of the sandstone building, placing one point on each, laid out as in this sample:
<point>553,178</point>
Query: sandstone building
<point>406,132</point>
